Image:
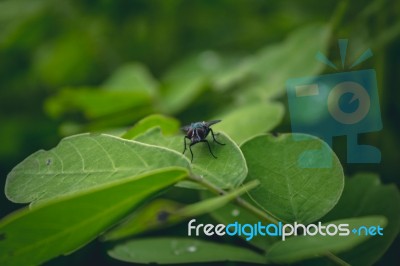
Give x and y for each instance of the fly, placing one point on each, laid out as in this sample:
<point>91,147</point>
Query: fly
<point>197,132</point>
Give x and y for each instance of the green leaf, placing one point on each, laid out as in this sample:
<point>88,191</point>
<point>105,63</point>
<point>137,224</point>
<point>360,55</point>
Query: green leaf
<point>288,190</point>
<point>168,125</point>
<point>295,57</point>
<point>227,171</point>
<point>231,213</point>
<point>216,202</point>
<point>96,103</point>
<point>231,71</point>
<point>33,236</point>
<point>133,77</point>
<point>249,120</point>
<point>131,87</point>
<point>156,214</point>
<point>365,195</point>
<point>183,84</point>
<point>181,250</point>
<point>161,213</point>
<point>83,161</point>
<point>303,247</point>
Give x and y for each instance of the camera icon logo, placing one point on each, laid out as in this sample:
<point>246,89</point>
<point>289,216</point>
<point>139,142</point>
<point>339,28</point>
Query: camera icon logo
<point>358,92</point>
<point>338,104</point>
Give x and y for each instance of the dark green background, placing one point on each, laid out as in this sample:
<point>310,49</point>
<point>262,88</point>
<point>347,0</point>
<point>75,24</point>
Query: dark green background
<point>46,45</point>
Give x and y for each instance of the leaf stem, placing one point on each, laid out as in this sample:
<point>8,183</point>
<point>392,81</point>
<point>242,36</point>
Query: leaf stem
<point>256,211</point>
<point>338,14</point>
<point>335,259</point>
<point>238,200</point>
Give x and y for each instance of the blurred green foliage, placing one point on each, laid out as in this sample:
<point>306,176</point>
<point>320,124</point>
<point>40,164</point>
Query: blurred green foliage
<point>65,65</point>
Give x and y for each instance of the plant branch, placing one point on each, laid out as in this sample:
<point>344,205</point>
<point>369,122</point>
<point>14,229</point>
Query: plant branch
<point>239,201</point>
<point>335,259</point>
<point>256,211</point>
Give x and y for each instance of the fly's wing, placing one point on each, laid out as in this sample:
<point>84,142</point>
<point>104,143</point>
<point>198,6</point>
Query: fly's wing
<point>210,123</point>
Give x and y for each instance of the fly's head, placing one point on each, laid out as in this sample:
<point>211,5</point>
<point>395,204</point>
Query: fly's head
<point>197,132</point>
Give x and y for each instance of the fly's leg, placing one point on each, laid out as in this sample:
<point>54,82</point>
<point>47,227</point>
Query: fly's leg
<point>209,148</point>
<point>190,149</point>
<point>213,136</point>
<point>184,144</point>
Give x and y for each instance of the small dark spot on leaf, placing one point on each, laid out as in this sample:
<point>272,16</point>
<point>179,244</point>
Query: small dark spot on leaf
<point>162,216</point>
<point>49,161</point>
<point>2,236</point>
<point>275,134</point>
